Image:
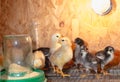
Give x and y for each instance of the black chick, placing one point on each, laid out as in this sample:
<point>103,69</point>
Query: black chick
<point>89,61</point>
<point>79,44</point>
<point>105,57</point>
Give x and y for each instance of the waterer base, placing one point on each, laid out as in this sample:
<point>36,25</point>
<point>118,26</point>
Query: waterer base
<point>39,78</point>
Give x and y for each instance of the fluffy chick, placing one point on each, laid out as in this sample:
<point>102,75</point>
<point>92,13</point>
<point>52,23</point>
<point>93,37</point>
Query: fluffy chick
<point>115,61</point>
<point>54,46</point>
<point>39,60</point>
<point>88,60</point>
<point>54,42</point>
<point>79,43</point>
<point>105,57</point>
<point>63,55</point>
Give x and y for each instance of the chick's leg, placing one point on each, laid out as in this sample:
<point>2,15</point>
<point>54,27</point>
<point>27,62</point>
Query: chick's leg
<point>77,67</point>
<point>57,70</point>
<point>85,73</point>
<point>63,74</point>
<point>54,68</point>
<point>97,75</point>
<point>103,71</point>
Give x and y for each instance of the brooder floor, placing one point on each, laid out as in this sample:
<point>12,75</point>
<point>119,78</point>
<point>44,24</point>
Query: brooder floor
<point>114,76</point>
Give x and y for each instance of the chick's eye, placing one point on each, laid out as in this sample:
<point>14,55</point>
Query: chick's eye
<point>63,40</point>
<point>110,50</point>
<point>57,36</point>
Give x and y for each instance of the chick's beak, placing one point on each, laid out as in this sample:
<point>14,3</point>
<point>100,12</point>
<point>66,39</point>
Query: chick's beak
<point>59,41</point>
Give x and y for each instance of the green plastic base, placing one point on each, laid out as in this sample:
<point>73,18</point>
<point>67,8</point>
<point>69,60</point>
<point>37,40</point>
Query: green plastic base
<point>39,78</point>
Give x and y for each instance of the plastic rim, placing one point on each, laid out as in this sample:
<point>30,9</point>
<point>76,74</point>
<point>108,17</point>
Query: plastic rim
<point>17,74</point>
<point>39,78</point>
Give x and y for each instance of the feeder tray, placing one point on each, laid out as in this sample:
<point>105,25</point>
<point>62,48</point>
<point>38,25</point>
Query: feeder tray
<point>39,78</point>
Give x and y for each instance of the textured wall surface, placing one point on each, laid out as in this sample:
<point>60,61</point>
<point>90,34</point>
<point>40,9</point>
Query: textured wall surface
<point>72,18</point>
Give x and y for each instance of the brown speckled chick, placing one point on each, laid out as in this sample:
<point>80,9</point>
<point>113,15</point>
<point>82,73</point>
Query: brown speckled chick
<point>63,55</point>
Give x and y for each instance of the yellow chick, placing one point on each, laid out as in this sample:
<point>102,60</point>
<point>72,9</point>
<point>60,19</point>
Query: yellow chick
<point>39,60</point>
<point>54,45</point>
<point>63,55</point>
<point>54,42</point>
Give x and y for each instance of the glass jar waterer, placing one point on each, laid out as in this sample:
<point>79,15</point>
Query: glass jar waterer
<point>18,58</point>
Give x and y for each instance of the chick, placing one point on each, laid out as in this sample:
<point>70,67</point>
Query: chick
<point>88,60</point>
<point>105,56</point>
<point>55,45</point>
<point>54,42</point>
<point>45,51</point>
<point>39,60</point>
<point>115,62</point>
<point>63,55</point>
<point>79,43</point>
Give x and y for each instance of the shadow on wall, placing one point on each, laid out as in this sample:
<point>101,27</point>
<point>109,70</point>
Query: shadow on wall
<point>114,5</point>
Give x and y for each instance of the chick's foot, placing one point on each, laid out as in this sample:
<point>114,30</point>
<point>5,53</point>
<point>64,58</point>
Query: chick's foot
<point>83,75</point>
<point>97,76</point>
<point>105,73</point>
<point>54,70</point>
<point>63,74</point>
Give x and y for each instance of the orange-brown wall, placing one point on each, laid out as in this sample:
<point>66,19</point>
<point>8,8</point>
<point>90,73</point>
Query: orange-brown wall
<point>78,17</point>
